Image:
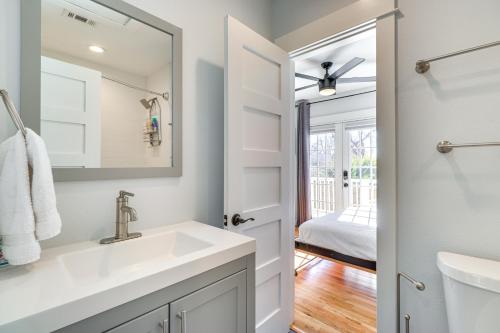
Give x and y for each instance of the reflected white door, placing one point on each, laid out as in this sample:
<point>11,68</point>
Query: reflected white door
<point>70,114</point>
<point>257,165</point>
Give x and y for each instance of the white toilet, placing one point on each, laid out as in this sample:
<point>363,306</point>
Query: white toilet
<point>472,293</point>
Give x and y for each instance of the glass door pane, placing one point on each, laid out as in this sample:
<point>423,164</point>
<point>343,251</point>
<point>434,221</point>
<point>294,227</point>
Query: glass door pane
<point>322,163</point>
<point>363,167</point>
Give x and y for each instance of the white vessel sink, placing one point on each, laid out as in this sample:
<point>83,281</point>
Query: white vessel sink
<point>125,257</point>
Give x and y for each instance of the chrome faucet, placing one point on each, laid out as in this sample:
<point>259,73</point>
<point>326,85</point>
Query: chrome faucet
<point>124,215</point>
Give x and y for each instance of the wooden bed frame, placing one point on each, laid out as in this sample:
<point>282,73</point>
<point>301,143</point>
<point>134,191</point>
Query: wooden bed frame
<point>320,251</point>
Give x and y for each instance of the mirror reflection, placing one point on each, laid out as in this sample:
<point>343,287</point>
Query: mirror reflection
<point>105,88</point>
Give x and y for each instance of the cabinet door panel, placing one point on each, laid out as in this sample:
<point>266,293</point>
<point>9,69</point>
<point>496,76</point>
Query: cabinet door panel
<point>151,322</point>
<point>218,308</point>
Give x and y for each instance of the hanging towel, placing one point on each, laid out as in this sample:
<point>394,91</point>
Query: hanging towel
<point>17,223</point>
<point>43,197</point>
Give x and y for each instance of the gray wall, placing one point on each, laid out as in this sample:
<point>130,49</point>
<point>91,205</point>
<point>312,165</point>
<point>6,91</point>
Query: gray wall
<point>446,202</point>
<point>9,62</point>
<point>87,208</point>
<point>288,15</point>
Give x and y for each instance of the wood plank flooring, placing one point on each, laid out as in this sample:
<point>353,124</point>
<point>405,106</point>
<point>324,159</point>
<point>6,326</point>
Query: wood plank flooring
<point>332,297</point>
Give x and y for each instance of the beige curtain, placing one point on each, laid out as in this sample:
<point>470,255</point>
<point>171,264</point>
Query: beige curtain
<point>303,172</point>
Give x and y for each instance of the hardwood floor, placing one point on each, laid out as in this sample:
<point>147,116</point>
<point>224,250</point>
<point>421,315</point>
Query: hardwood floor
<point>331,297</point>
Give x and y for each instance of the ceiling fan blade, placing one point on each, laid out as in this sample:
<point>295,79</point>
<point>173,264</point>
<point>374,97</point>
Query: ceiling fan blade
<point>307,77</point>
<point>357,79</point>
<point>306,87</point>
<point>346,68</point>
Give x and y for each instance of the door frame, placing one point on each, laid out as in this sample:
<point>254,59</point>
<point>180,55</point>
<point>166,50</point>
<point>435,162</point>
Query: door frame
<point>384,14</point>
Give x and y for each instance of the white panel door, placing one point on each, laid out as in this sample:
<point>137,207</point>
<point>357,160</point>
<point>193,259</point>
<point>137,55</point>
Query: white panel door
<point>70,114</point>
<point>257,165</point>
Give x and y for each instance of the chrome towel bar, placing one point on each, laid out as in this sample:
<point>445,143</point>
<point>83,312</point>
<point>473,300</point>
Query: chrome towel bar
<point>446,146</point>
<point>9,105</point>
<point>423,65</point>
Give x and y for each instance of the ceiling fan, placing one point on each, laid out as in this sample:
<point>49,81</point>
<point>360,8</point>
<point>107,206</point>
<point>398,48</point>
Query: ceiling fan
<point>328,84</point>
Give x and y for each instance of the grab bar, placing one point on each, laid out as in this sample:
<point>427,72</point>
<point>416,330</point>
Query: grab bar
<point>424,65</point>
<point>420,286</point>
<point>446,146</point>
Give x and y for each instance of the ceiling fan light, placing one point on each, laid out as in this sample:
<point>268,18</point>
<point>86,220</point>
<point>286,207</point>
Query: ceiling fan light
<point>327,87</point>
<point>327,91</point>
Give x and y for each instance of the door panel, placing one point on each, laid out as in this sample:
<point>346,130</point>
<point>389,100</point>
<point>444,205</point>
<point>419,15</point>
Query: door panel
<point>218,308</point>
<point>257,170</point>
<point>70,114</point>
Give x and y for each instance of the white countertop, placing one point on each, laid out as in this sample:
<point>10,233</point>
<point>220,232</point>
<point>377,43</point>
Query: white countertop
<point>56,291</point>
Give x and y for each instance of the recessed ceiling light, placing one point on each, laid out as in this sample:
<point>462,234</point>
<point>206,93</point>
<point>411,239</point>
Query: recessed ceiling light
<point>96,49</point>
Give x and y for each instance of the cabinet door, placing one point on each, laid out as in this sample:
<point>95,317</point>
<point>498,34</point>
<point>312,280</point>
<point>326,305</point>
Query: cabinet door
<point>155,321</point>
<point>218,308</point>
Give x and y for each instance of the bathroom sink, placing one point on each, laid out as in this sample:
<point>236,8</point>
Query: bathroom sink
<point>129,256</point>
<point>84,279</point>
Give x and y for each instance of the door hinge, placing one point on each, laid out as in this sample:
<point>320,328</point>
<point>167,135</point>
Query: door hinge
<point>225,220</point>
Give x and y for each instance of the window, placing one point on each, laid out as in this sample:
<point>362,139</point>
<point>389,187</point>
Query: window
<point>363,161</point>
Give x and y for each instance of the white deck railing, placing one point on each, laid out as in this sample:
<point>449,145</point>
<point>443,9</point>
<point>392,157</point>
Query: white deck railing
<point>363,192</point>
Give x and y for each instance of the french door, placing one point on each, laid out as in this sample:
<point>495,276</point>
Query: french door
<point>343,159</point>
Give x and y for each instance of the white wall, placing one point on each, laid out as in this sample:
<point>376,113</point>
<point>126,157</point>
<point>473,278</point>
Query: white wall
<point>122,123</point>
<point>445,202</point>
<point>87,208</point>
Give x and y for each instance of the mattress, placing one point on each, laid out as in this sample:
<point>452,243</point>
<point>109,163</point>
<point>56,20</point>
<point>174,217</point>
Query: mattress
<point>351,232</point>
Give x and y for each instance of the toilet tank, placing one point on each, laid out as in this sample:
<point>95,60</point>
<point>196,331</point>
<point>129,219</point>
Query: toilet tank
<point>472,293</point>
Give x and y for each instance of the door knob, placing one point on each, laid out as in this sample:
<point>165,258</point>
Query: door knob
<point>237,219</point>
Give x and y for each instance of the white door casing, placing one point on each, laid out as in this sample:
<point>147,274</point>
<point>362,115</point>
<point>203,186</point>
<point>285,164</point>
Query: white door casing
<point>258,179</point>
<point>70,114</point>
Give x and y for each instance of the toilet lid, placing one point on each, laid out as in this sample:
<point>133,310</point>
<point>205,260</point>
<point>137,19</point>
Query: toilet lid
<point>478,272</point>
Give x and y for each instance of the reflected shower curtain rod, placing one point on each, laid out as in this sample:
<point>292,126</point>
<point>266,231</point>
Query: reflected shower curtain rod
<point>164,95</point>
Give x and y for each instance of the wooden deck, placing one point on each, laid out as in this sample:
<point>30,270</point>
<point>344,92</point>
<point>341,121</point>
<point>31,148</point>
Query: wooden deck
<point>332,297</point>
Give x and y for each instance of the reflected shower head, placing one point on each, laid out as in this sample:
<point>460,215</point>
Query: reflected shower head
<point>146,103</point>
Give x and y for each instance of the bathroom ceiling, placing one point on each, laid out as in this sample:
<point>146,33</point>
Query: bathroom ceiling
<point>129,45</point>
<point>362,45</point>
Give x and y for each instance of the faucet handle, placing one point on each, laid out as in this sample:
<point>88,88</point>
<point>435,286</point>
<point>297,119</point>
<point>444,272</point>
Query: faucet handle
<point>124,194</point>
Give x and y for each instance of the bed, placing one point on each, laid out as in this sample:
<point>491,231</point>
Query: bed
<point>348,235</point>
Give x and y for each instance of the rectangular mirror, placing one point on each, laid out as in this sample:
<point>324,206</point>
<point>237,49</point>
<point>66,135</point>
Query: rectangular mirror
<point>101,84</point>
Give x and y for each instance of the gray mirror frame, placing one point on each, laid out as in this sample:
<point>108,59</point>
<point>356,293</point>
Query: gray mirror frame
<point>31,83</point>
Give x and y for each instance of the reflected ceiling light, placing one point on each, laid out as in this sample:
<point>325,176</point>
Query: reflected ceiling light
<point>96,49</point>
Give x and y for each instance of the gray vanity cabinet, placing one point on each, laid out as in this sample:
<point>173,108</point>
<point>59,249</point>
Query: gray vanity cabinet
<point>152,322</point>
<point>221,300</point>
<point>218,308</point>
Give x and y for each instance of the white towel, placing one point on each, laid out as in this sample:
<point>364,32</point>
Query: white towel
<point>17,224</point>
<point>43,197</point>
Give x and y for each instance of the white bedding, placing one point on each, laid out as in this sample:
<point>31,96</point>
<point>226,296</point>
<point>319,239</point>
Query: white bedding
<point>350,232</point>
